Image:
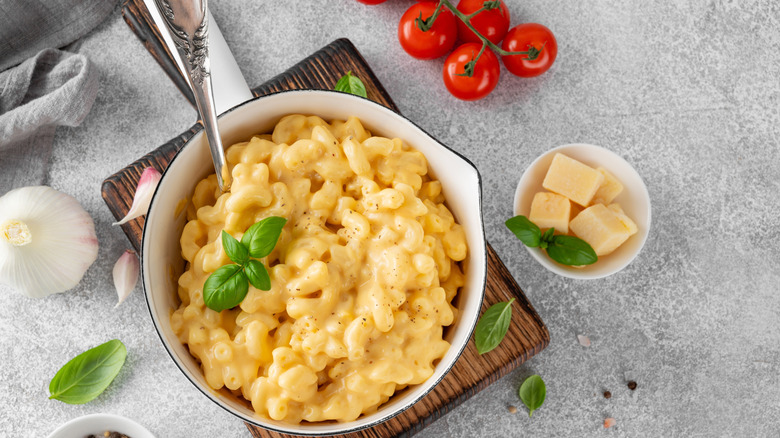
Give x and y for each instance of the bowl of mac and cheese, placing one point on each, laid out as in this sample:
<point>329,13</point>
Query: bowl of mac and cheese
<point>377,279</point>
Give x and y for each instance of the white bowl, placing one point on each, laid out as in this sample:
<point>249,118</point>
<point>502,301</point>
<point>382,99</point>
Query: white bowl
<point>635,201</point>
<point>96,424</point>
<point>161,254</point>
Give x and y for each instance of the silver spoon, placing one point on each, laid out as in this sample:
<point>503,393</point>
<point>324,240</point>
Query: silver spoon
<point>188,23</point>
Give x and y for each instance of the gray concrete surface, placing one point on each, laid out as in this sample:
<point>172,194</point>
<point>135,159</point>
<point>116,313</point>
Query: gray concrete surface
<point>686,91</point>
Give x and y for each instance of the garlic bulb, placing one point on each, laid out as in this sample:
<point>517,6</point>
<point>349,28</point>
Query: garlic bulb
<point>47,241</point>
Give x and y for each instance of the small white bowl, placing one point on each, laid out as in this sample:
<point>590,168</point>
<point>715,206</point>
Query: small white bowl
<point>96,424</point>
<point>635,201</point>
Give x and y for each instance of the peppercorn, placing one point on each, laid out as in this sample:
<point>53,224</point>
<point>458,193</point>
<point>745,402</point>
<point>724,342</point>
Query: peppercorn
<point>632,385</point>
<point>607,394</point>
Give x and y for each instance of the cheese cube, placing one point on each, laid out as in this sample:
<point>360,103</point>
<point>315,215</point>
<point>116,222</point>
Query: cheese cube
<point>572,179</point>
<point>622,217</point>
<point>601,228</point>
<point>549,210</point>
<point>608,190</point>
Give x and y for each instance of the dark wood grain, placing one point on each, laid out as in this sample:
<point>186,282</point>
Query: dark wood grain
<point>527,334</point>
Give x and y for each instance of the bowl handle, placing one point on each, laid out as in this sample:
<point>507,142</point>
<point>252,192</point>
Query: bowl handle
<point>230,87</point>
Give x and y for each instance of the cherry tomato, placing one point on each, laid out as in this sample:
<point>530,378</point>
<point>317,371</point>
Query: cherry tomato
<point>371,2</point>
<point>484,79</point>
<point>520,39</point>
<point>492,24</point>
<point>433,43</point>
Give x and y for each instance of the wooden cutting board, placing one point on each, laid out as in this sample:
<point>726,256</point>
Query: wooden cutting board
<point>527,333</point>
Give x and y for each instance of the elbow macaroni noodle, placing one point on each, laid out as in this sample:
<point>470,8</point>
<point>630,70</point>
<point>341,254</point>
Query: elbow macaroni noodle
<point>362,279</point>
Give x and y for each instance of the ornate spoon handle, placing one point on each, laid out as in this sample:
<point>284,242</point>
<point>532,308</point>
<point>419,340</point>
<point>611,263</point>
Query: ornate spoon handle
<point>187,21</point>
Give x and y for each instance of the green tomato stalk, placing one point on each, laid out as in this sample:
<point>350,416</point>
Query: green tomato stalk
<point>425,25</point>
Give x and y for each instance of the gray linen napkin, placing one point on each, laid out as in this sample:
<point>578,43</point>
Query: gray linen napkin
<point>29,26</point>
<point>53,88</point>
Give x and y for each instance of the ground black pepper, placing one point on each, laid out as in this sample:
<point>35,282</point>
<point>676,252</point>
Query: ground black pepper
<point>607,394</point>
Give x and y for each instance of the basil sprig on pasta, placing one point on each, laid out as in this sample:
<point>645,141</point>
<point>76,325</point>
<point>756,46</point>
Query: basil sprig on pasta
<point>227,286</point>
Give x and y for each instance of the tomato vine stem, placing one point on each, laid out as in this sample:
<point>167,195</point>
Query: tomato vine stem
<point>425,24</point>
<point>468,69</point>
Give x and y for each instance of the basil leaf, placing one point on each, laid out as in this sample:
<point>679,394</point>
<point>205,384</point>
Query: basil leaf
<point>225,288</point>
<point>492,327</point>
<point>351,84</point>
<point>87,375</point>
<point>258,275</point>
<point>525,230</point>
<point>546,237</point>
<point>234,249</point>
<point>261,237</point>
<point>533,392</point>
<point>572,251</point>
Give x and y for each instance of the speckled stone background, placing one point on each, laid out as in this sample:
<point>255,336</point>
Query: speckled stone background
<point>686,91</point>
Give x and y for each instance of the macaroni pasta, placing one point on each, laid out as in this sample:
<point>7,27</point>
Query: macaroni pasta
<point>362,278</point>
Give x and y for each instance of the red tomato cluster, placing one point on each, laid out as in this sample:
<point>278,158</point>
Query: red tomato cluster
<point>492,24</point>
<point>433,43</point>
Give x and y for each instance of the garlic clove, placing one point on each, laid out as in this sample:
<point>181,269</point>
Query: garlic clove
<point>143,194</point>
<point>125,275</point>
<point>47,241</point>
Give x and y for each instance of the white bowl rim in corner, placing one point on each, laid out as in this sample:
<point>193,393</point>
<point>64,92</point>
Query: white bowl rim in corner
<point>635,201</point>
<point>96,424</point>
